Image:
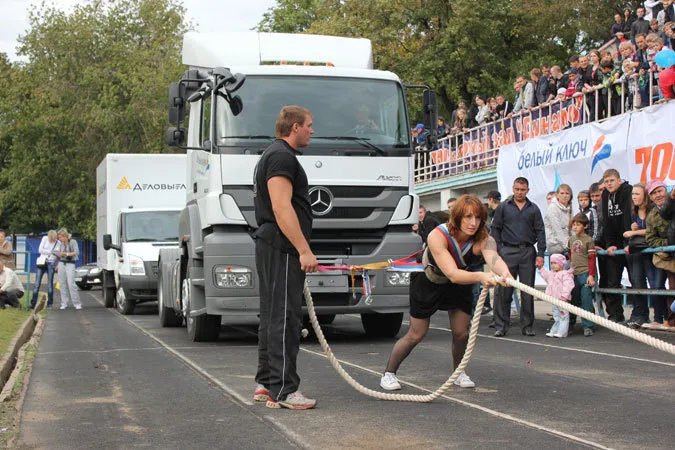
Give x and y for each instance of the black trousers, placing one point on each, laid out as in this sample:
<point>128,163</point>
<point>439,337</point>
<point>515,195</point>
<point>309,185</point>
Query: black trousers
<point>614,302</point>
<point>11,298</point>
<point>281,284</point>
<point>521,262</point>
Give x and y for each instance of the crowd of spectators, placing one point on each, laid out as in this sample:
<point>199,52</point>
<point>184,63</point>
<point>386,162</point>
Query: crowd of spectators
<point>594,241</point>
<point>626,79</point>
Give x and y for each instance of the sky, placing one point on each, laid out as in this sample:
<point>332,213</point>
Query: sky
<point>208,15</point>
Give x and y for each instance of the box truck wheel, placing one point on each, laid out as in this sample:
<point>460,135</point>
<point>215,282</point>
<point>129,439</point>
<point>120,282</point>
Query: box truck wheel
<point>125,305</point>
<point>108,289</point>
<point>382,325</point>
<point>167,315</point>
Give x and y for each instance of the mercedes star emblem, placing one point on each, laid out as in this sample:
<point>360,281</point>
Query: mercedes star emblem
<point>321,200</point>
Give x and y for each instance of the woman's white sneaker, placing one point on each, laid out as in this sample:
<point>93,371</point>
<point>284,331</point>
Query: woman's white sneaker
<point>389,382</point>
<point>464,381</point>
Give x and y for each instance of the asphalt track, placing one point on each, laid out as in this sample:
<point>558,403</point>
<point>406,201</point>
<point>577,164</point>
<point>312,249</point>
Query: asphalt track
<point>104,380</point>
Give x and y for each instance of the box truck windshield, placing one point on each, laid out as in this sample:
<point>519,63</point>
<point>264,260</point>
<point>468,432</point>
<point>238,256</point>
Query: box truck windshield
<point>362,114</point>
<point>151,226</point>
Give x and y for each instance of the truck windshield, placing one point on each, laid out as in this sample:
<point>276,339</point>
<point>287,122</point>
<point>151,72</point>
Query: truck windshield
<point>151,226</point>
<point>351,114</point>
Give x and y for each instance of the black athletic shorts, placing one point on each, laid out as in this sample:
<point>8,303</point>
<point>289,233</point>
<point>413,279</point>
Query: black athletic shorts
<point>426,297</point>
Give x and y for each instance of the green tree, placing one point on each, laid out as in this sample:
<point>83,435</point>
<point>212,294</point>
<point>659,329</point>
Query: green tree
<point>95,82</point>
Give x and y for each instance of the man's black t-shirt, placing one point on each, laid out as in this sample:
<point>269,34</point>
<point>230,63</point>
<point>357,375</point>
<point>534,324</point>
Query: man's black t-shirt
<point>279,159</point>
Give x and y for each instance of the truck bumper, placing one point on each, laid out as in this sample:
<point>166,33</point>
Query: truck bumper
<point>327,299</point>
<point>139,287</point>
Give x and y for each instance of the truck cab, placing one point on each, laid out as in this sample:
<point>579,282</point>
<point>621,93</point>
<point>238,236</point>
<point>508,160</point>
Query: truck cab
<point>358,164</point>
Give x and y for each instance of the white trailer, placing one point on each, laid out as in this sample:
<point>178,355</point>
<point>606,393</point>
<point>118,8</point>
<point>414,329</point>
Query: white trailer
<point>138,202</point>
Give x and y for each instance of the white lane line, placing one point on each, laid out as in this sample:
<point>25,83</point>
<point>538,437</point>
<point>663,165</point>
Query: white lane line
<point>492,412</point>
<point>196,367</point>
<point>60,352</point>
<point>572,349</point>
<point>290,434</point>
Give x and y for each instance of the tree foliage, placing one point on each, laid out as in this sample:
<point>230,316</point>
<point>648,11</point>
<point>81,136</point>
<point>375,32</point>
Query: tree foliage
<point>462,48</point>
<point>95,82</point>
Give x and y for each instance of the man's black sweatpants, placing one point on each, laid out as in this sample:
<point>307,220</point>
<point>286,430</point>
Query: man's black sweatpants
<point>11,298</point>
<point>281,284</point>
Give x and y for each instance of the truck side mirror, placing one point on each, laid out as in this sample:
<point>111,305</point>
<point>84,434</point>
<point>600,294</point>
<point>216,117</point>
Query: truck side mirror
<point>430,110</point>
<point>107,243</point>
<point>430,118</point>
<point>175,136</point>
<point>177,96</point>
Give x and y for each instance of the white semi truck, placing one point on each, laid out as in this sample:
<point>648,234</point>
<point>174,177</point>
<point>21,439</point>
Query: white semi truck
<point>139,199</point>
<point>358,163</point>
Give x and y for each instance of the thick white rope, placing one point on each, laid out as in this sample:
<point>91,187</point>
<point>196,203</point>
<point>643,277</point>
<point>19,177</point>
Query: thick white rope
<point>621,329</point>
<point>473,334</point>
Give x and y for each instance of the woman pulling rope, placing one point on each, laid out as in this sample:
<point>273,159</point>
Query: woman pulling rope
<point>446,284</point>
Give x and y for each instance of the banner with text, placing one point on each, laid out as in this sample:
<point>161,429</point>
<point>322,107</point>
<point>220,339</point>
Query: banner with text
<point>638,144</point>
<point>518,128</point>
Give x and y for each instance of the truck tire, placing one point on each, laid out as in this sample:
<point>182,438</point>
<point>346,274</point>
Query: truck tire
<point>124,305</point>
<point>382,325</point>
<point>167,315</point>
<point>108,288</point>
<point>204,328</point>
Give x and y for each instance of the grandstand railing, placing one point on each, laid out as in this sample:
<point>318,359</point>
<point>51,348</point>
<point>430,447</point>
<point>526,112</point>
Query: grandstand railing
<point>477,149</point>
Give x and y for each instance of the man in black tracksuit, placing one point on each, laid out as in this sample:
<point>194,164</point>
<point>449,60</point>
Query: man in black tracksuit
<point>284,216</point>
<point>617,204</point>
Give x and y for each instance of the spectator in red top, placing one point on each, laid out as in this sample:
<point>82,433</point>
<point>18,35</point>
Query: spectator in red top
<point>572,85</point>
<point>667,82</point>
<point>666,60</point>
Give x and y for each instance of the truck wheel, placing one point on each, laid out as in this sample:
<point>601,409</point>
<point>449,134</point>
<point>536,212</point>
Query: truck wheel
<point>108,289</point>
<point>382,325</point>
<point>167,315</point>
<point>204,328</point>
<point>125,306</point>
<point>326,319</point>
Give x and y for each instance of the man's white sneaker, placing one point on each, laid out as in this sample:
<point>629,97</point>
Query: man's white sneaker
<point>389,382</point>
<point>78,307</point>
<point>63,307</point>
<point>464,381</point>
<point>296,400</point>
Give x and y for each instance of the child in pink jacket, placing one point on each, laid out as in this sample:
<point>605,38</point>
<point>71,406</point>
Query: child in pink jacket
<point>560,284</point>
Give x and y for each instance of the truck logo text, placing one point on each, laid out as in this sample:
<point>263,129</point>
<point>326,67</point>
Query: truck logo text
<point>390,178</point>
<point>124,184</point>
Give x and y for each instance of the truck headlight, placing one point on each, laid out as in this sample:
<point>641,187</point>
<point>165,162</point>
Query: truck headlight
<point>233,276</point>
<point>136,265</point>
<point>95,271</point>
<point>394,278</point>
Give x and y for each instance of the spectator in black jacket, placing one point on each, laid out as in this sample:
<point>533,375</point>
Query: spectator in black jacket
<point>574,64</point>
<point>617,205</point>
<point>618,25</point>
<point>639,26</point>
<point>427,223</point>
<point>627,21</point>
<point>504,107</point>
<point>541,92</point>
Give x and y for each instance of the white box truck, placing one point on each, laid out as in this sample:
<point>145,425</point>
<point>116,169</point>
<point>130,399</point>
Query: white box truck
<point>138,202</point>
<point>358,163</point>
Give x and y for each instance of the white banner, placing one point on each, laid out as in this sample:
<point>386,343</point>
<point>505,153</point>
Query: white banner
<point>638,144</point>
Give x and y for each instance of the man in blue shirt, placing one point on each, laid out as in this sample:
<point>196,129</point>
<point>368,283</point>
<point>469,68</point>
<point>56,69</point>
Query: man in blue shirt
<point>517,226</point>
<point>421,137</point>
